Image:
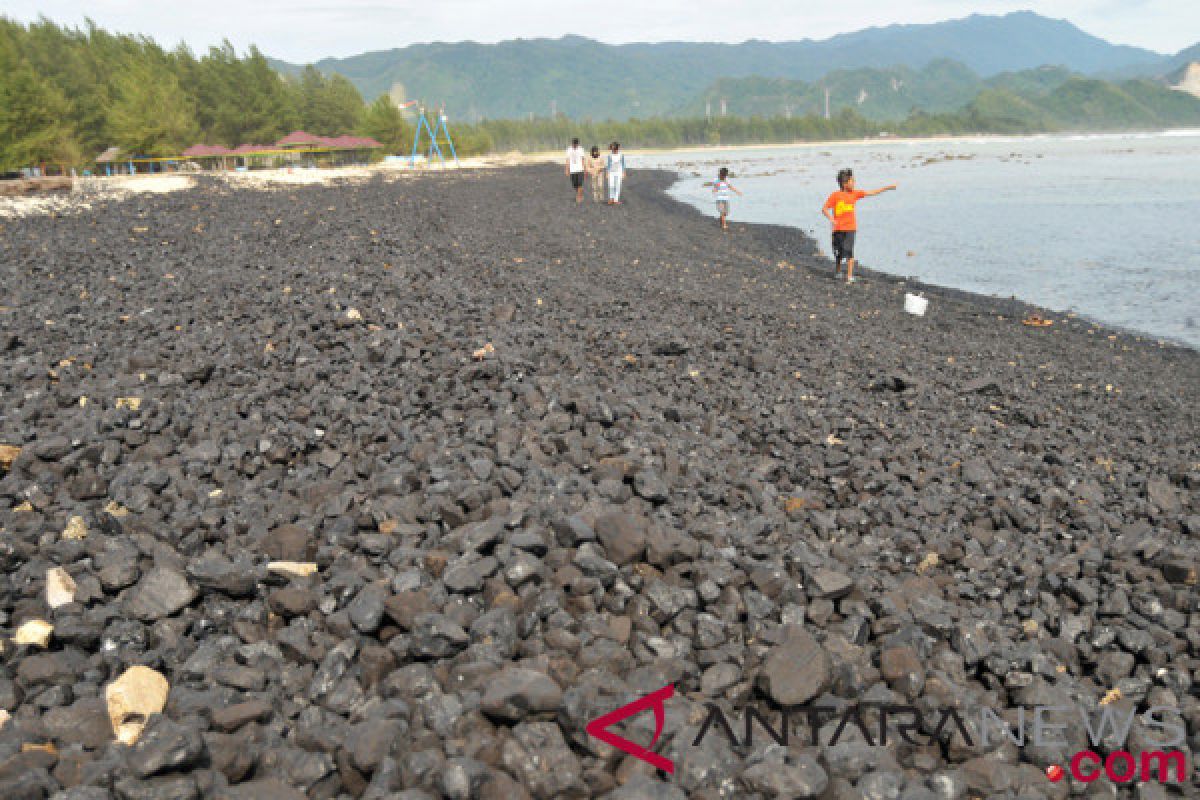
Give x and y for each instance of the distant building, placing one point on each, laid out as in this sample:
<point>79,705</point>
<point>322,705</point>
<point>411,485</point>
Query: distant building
<point>297,149</point>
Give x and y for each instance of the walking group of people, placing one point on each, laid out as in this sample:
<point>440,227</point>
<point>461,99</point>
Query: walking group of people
<point>609,172</point>
<point>605,174</point>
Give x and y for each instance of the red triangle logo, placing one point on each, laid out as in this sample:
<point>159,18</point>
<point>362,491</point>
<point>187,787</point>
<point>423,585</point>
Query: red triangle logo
<point>599,728</point>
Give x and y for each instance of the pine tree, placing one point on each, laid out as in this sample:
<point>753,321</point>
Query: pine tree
<point>149,115</point>
<point>329,106</point>
<point>34,126</point>
<point>385,123</point>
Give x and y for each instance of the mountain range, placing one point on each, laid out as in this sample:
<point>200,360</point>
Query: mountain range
<point>583,78</point>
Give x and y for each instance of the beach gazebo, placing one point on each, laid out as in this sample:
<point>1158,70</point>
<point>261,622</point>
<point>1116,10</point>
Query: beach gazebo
<point>208,154</point>
<point>297,140</point>
<point>108,158</point>
<point>248,152</point>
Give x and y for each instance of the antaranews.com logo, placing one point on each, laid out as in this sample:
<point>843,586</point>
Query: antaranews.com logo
<point>1107,731</point>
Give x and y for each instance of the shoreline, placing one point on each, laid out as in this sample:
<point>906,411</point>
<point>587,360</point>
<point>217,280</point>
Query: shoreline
<point>92,191</point>
<point>1010,306</point>
<point>543,156</point>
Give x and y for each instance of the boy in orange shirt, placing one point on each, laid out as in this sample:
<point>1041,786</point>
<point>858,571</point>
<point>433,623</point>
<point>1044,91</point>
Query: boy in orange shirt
<point>839,210</point>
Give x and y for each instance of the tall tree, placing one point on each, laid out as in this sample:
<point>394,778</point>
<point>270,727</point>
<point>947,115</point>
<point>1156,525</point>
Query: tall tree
<point>329,105</point>
<point>34,117</point>
<point>150,114</point>
<point>386,124</point>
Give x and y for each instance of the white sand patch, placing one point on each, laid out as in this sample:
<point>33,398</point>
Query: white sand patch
<point>156,184</point>
<point>88,191</point>
<point>91,190</point>
<point>264,178</point>
<point>11,207</point>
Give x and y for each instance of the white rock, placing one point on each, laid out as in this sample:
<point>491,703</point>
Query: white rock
<point>35,632</point>
<point>60,587</point>
<point>132,698</point>
<point>297,569</point>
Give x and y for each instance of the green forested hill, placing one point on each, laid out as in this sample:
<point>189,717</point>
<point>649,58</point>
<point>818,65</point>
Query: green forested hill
<point>587,79</point>
<point>880,94</point>
<point>1050,98</point>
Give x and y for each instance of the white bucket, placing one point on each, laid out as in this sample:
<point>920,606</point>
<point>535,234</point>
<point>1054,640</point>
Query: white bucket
<point>915,304</point>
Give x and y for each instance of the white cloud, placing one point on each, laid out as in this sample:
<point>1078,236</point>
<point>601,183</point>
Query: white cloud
<point>303,30</point>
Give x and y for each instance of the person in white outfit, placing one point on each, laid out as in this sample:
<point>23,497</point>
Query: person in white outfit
<point>575,157</point>
<point>616,169</point>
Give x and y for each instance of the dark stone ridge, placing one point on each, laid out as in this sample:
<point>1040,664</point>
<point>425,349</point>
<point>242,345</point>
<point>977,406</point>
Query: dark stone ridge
<point>689,457</point>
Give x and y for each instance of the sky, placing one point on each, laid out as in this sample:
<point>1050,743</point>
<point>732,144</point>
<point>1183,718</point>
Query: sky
<point>308,30</point>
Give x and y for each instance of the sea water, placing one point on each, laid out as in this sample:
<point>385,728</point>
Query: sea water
<point>1104,225</point>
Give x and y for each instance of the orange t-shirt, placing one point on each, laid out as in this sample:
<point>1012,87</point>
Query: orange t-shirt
<point>842,204</point>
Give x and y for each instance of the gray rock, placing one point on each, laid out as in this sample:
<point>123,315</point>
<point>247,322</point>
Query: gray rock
<point>539,757</point>
<point>516,693</point>
<point>623,537</point>
<point>796,670</point>
<point>830,584</point>
<point>366,609</point>
<point>289,543</point>
<point>786,776</point>
<point>160,593</point>
<point>165,746</point>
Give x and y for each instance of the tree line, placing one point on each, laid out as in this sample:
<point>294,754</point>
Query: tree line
<point>539,134</point>
<point>68,94</point>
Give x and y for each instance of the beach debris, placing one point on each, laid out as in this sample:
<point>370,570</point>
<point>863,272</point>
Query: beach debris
<point>483,352</point>
<point>113,508</point>
<point>76,528</point>
<point>35,632</point>
<point>60,587</point>
<point>8,454</point>
<point>1037,321</point>
<point>915,304</point>
<point>294,569</point>
<point>132,698</point>
<point>354,315</point>
<point>130,403</point>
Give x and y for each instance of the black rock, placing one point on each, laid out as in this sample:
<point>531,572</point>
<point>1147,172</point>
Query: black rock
<point>165,746</point>
<point>160,593</point>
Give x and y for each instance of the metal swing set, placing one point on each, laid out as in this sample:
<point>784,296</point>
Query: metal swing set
<point>432,131</point>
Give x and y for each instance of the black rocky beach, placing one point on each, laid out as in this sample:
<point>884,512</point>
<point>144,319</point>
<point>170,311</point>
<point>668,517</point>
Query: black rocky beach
<point>397,485</point>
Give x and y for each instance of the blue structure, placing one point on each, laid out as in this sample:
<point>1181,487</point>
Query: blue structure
<point>442,128</point>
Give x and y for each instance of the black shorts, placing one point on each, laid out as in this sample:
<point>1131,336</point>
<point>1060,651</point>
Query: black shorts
<point>843,245</point>
<point>576,179</point>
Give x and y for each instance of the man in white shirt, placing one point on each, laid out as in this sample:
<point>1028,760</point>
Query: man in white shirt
<point>574,168</point>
